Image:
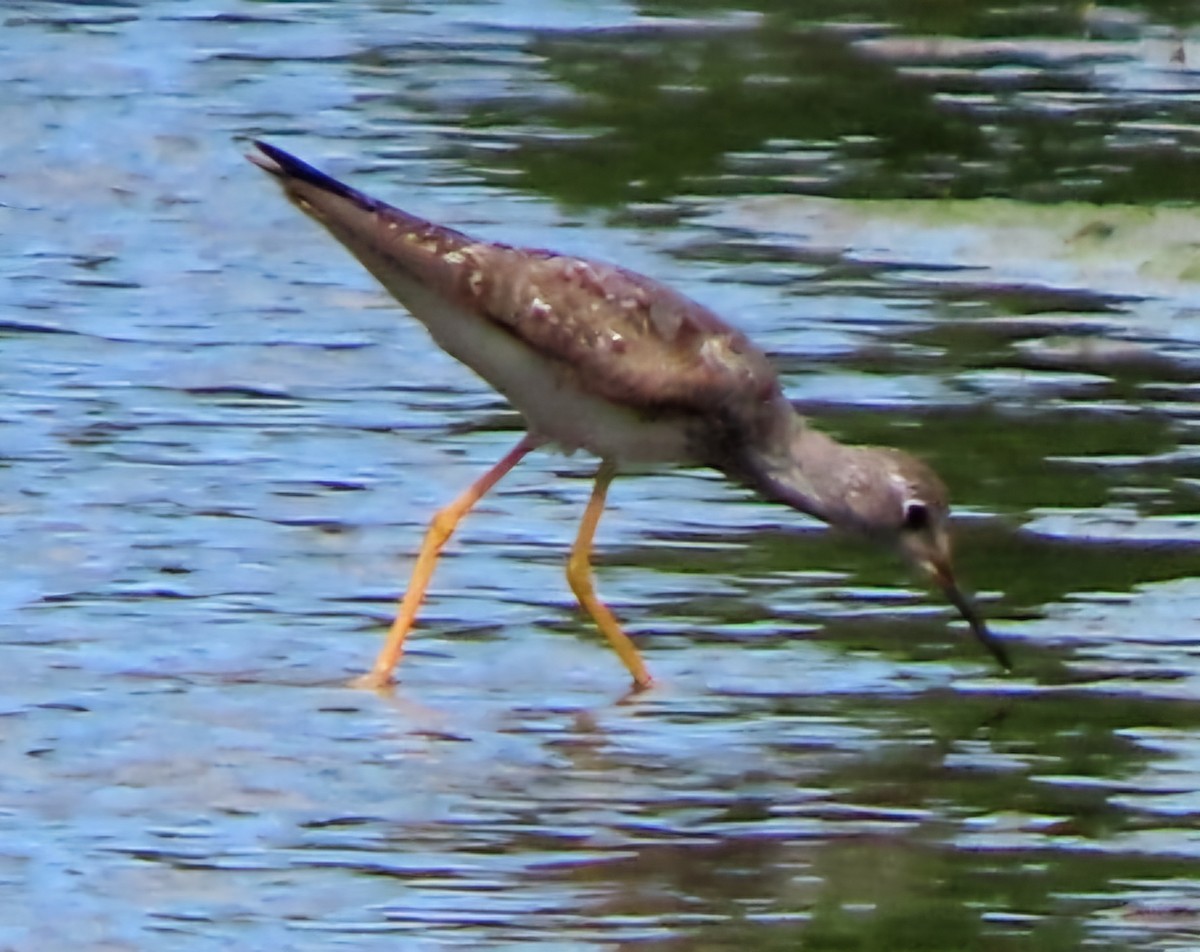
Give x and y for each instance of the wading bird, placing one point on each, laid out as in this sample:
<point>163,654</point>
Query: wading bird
<point>600,358</point>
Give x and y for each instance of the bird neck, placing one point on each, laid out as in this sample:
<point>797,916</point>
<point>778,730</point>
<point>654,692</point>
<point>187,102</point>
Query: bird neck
<point>806,469</point>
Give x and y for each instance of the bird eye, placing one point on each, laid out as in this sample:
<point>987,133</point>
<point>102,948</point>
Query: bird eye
<point>916,516</point>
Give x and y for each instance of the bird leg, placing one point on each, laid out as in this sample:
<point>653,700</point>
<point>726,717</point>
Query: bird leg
<point>579,574</point>
<point>440,529</point>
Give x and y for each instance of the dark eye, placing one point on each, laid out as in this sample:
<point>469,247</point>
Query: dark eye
<point>916,516</point>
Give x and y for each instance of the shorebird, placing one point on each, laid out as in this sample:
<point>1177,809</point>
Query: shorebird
<point>600,358</point>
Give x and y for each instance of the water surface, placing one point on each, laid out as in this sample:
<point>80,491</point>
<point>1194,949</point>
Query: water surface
<point>966,231</point>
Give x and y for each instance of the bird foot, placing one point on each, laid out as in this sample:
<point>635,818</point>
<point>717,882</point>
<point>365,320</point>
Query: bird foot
<point>373,681</point>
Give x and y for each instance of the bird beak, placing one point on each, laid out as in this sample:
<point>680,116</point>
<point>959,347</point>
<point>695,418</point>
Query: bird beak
<point>941,573</point>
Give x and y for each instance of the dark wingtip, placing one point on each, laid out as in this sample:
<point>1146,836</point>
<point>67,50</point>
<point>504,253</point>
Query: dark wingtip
<point>283,165</point>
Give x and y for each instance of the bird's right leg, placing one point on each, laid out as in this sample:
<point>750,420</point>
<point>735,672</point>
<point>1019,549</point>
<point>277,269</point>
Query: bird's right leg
<point>440,529</point>
<point>579,575</point>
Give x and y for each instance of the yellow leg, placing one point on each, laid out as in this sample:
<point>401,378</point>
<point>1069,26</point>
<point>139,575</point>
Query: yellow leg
<point>579,574</point>
<point>440,529</point>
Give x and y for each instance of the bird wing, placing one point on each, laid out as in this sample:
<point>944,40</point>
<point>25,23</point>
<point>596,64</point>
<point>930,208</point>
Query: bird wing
<point>627,337</point>
<point>619,334</point>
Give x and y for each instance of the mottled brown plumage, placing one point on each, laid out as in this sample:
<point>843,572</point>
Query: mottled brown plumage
<point>601,358</point>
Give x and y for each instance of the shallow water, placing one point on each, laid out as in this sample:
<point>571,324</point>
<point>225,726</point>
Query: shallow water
<point>219,444</point>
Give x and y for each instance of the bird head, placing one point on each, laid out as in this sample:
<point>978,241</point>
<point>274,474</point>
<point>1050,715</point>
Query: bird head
<point>878,492</point>
<point>903,499</point>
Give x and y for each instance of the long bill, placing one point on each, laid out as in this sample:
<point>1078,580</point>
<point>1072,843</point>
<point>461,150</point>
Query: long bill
<point>944,577</point>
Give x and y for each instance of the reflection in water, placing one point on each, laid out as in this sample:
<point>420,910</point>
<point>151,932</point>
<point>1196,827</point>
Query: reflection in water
<point>204,488</point>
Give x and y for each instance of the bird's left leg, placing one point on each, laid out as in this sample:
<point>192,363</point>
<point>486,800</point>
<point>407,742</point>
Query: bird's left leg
<point>579,574</point>
<point>445,521</point>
